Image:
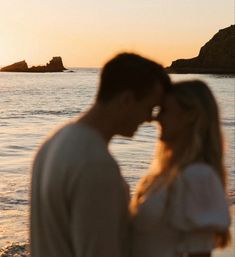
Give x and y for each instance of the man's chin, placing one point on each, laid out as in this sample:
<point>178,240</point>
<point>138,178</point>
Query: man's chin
<point>162,138</point>
<point>166,140</point>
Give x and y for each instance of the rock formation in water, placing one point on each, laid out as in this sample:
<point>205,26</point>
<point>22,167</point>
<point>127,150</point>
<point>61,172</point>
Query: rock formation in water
<point>55,65</point>
<point>17,67</point>
<point>217,56</point>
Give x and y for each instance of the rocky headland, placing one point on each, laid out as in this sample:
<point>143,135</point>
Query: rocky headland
<point>217,56</point>
<point>55,65</point>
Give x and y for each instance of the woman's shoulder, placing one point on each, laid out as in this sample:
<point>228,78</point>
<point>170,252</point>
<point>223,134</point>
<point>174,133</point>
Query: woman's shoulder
<point>199,181</point>
<point>198,171</point>
<point>199,200</point>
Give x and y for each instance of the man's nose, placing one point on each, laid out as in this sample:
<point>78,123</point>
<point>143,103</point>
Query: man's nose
<point>158,117</point>
<point>155,113</point>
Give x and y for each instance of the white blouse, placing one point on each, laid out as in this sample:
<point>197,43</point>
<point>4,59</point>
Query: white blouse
<point>182,219</point>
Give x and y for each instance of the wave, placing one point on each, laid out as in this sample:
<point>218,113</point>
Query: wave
<point>8,203</point>
<point>30,114</point>
<point>228,123</point>
<point>231,196</point>
<point>48,112</point>
<point>12,117</point>
<point>17,147</point>
<point>82,69</point>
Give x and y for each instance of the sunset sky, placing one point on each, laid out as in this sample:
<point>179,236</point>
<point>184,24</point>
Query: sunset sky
<point>85,33</point>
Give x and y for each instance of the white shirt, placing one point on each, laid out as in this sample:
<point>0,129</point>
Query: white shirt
<point>79,203</point>
<point>182,219</point>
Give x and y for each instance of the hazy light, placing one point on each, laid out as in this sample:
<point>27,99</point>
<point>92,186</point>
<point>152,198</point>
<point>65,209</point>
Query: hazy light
<point>86,33</point>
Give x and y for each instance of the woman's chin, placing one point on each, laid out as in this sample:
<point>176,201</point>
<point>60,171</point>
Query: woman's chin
<point>164,139</point>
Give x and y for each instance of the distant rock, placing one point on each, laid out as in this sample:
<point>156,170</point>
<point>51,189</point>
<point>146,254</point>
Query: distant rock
<point>217,56</point>
<point>55,65</point>
<point>17,67</point>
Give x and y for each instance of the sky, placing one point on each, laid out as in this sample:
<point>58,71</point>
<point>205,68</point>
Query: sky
<point>86,33</point>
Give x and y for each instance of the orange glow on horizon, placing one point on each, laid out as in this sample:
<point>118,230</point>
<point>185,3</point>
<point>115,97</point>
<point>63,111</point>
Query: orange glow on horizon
<point>87,34</point>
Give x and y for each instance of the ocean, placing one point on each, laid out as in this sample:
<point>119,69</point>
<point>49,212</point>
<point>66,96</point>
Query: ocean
<point>33,104</point>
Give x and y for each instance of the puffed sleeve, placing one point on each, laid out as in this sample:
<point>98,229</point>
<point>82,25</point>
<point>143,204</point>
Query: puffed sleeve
<point>198,207</point>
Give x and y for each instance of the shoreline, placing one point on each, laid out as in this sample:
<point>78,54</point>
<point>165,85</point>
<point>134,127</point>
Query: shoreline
<point>23,249</point>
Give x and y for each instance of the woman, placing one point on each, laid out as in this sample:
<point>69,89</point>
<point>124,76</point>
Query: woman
<point>180,208</point>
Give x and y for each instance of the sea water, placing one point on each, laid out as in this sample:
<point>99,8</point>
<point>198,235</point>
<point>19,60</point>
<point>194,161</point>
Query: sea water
<point>32,105</point>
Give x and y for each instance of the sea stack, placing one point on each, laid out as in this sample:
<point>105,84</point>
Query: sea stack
<point>17,67</point>
<point>217,56</point>
<point>55,65</point>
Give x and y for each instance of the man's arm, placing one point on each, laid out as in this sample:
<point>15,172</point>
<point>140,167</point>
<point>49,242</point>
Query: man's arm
<point>96,212</point>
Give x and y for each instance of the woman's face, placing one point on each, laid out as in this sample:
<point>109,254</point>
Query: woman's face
<point>172,119</point>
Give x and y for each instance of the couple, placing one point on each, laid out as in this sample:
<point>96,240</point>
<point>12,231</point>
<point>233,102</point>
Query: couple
<point>80,202</point>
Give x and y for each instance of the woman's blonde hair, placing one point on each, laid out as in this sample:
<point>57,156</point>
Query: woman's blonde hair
<point>202,141</point>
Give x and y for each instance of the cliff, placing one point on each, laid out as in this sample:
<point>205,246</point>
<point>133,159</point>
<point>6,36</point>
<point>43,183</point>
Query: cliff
<point>217,56</point>
<point>55,65</point>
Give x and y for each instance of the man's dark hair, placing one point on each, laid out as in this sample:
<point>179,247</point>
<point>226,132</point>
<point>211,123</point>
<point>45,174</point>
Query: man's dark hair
<point>128,71</point>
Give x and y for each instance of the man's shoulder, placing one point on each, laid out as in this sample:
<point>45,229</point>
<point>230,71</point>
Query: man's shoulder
<point>77,146</point>
<point>74,136</point>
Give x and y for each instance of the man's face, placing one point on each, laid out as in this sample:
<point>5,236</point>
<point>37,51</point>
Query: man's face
<point>139,111</point>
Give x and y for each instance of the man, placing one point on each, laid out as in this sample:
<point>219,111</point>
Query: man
<point>79,203</point>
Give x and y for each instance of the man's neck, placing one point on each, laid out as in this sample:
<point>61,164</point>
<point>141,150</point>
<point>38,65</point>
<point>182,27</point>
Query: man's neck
<point>100,118</point>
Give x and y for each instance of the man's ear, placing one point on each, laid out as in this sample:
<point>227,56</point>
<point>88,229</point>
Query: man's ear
<point>191,117</point>
<point>126,98</point>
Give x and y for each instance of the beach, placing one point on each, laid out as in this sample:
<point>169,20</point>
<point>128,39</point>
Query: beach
<point>33,105</point>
